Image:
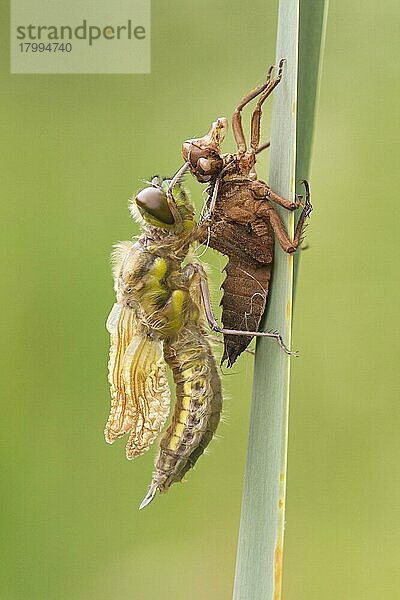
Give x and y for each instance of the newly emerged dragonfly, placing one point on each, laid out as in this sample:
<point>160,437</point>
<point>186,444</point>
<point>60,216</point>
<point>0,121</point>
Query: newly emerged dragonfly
<point>158,320</point>
<point>240,220</point>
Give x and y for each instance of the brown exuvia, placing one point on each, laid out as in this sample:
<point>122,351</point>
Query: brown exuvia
<point>240,220</point>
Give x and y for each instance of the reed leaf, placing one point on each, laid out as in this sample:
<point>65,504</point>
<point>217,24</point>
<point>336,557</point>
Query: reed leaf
<point>260,546</point>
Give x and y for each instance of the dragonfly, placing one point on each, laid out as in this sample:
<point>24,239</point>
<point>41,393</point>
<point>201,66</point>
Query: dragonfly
<point>158,320</point>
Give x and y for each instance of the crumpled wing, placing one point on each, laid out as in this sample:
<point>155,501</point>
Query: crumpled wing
<point>140,395</point>
<point>195,294</point>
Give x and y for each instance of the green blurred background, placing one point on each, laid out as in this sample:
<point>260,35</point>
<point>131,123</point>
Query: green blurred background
<point>74,150</point>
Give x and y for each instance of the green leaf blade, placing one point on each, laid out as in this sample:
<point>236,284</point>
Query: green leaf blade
<point>260,546</point>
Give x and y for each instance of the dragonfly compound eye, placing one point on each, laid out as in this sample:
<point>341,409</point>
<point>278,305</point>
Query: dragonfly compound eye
<point>153,201</point>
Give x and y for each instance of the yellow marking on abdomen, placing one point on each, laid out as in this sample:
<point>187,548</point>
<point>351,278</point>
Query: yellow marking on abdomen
<point>195,388</point>
<point>178,298</point>
<point>187,387</point>
<point>186,402</point>
<point>159,268</point>
<point>183,416</point>
<point>179,429</point>
<point>174,442</point>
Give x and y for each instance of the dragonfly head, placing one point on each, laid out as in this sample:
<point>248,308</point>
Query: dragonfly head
<point>204,154</point>
<point>154,208</point>
<point>152,204</point>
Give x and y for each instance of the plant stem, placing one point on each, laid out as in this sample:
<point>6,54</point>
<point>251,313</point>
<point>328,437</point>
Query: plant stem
<point>260,546</point>
<point>312,29</point>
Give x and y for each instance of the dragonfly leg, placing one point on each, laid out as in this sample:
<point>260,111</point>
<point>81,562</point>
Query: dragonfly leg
<point>217,340</point>
<point>170,198</point>
<point>214,196</point>
<point>263,146</point>
<point>257,113</point>
<point>213,200</point>
<point>205,293</point>
<point>262,191</point>
<point>267,211</point>
<point>237,126</point>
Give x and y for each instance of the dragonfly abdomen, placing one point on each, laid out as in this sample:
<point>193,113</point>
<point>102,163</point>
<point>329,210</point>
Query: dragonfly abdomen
<point>198,406</point>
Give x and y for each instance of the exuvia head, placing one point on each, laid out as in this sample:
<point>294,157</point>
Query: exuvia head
<point>153,207</point>
<point>204,154</point>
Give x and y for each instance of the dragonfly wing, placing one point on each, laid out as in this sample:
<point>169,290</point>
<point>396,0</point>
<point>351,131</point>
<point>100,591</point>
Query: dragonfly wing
<point>146,382</point>
<point>121,325</point>
<point>139,388</point>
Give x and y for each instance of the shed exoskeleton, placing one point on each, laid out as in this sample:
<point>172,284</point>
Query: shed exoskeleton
<point>240,220</point>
